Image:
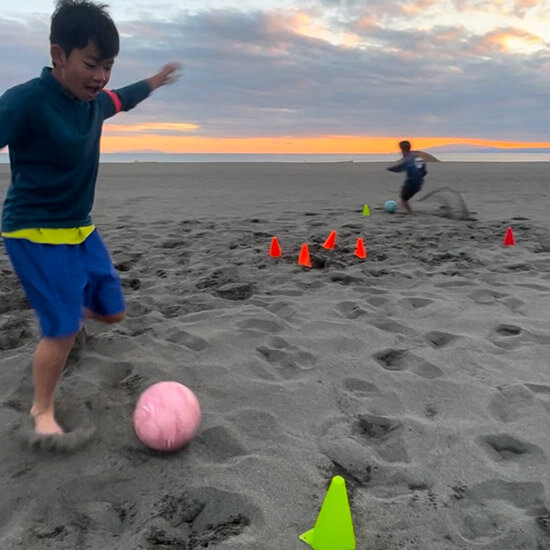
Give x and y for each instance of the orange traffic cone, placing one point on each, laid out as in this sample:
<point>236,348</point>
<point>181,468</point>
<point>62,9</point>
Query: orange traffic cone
<point>331,241</point>
<point>275,249</point>
<point>509,239</point>
<point>304,259</point>
<point>360,250</point>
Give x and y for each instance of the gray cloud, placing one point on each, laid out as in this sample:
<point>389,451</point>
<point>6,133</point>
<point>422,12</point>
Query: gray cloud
<point>250,74</point>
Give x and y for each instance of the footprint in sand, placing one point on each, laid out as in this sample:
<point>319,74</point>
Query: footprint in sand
<point>218,444</point>
<point>542,393</point>
<point>377,301</point>
<point>256,424</point>
<point>485,296</point>
<point>236,291</point>
<point>197,517</point>
<point>509,336</point>
<point>291,359</point>
<point>360,387</point>
<point>401,360</point>
<point>439,339</point>
<point>284,310</point>
<point>350,310</point>
<point>497,512</point>
<point>197,520</point>
<point>343,278</point>
<point>369,452</point>
<point>14,332</point>
<point>513,402</point>
<point>349,456</point>
<point>385,323</point>
<point>506,448</point>
<point>383,435</point>
<point>184,338</point>
<point>13,300</point>
<point>266,326</point>
<point>415,302</point>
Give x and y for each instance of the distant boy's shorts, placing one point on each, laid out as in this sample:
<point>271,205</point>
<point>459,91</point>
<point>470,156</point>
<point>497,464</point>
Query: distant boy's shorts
<point>60,280</point>
<point>410,188</point>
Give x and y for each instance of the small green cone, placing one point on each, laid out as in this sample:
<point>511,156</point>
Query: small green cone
<point>334,526</point>
<point>366,211</point>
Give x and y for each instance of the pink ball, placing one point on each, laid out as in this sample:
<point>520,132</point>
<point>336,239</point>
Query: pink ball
<point>167,416</point>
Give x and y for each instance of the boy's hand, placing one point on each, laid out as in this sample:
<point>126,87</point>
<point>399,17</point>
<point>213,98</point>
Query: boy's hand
<point>167,75</point>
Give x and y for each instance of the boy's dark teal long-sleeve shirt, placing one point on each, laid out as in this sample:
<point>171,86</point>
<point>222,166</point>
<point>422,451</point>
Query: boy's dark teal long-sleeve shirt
<point>53,141</point>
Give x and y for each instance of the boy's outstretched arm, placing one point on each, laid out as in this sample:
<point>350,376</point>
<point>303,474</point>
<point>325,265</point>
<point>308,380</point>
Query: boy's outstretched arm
<point>399,166</point>
<point>167,75</point>
<point>124,99</point>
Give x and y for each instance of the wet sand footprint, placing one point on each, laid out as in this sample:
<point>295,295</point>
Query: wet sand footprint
<point>401,360</point>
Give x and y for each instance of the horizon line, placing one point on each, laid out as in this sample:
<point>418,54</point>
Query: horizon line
<point>328,144</point>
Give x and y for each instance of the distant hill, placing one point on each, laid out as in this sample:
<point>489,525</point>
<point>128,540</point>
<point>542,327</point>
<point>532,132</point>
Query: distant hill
<point>427,156</point>
<point>470,148</point>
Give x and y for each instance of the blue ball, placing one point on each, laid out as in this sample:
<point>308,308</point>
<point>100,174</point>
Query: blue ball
<point>390,206</point>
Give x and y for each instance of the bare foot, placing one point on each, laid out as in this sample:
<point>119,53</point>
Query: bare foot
<point>45,424</point>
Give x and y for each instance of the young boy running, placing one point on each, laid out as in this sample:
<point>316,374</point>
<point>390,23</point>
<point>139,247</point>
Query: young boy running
<point>52,125</point>
<point>415,167</point>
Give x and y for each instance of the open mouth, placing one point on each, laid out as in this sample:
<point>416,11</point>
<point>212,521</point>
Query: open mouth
<point>92,90</point>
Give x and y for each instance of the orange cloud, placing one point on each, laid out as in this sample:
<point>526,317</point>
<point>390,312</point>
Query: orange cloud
<point>303,24</point>
<point>511,40</point>
<point>341,144</point>
<point>149,127</point>
<point>368,22</point>
<point>420,6</point>
<point>521,6</point>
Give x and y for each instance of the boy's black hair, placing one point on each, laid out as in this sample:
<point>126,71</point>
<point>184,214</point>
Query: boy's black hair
<point>405,146</point>
<point>75,23</point>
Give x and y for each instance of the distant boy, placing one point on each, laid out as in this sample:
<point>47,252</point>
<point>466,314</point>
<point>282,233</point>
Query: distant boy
<point>415,167</point>
<point>52,125</point>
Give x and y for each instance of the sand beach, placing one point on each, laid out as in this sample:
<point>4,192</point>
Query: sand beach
<point>420,374</point>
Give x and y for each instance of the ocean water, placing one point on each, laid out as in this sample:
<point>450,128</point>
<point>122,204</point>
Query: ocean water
<point>211,157</point>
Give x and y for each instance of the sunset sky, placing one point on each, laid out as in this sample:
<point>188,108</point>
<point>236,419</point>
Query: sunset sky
<point>316,76</point>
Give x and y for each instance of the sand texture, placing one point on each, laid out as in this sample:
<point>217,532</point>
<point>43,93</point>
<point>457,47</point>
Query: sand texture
<point>420,374</point>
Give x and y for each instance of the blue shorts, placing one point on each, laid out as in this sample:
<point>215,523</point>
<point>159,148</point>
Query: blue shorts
<point>60,280</point>
<point>410,188</point>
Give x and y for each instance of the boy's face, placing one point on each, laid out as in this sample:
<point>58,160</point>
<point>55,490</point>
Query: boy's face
<point>83,72</point>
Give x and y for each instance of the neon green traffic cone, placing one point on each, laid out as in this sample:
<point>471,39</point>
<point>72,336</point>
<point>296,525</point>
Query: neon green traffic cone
<point>334,526</point>
<point>366,211</point>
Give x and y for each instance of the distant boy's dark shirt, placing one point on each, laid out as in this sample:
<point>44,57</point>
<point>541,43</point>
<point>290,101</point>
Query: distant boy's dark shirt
<point>415,167</point>
<point>53,141</point>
